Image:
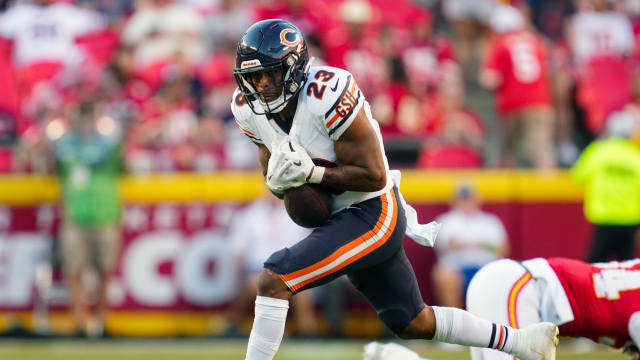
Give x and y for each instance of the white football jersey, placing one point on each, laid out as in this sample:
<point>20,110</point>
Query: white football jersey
<point>48,33</point>
<point>327,105</point>
<point>597,34</point>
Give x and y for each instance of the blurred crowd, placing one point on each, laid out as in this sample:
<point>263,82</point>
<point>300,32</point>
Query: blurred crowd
<point>160,75</point>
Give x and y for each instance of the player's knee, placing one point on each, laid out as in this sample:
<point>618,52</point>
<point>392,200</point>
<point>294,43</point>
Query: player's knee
<point>270,285</point>
<point>401,323</point>
<point>422,326</point>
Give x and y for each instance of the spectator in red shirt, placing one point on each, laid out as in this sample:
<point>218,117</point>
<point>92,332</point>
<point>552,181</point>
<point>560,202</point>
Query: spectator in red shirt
<point>516,69</point>
<point>311,16</point>
<point>354,45</point>
<point>414,73</point>
<point>602,44</point>
<point>8,92</point>
<point>455,133</point>
<point>428,55</point>
<point>164,139</point>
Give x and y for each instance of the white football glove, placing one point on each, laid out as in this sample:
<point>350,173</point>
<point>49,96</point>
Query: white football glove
<point>292,167</point>
<point>302,168</point>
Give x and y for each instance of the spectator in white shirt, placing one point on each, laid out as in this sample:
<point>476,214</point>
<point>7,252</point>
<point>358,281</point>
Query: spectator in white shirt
<point>164,30</point>
<point>43,31</point>
<point>469,239</point>
<point>227,24</point>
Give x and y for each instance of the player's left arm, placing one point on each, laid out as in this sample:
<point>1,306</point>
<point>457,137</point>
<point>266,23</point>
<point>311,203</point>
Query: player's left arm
<point>359,154</point>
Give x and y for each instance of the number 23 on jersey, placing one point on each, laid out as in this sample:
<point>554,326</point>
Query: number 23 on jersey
<point>318,90</point>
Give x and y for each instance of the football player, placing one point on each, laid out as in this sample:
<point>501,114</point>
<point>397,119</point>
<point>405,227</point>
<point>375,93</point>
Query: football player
<point>598,301</point>
<point>295,113</point>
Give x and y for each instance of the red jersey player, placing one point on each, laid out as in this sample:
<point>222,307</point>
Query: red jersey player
<point>598,301</point>
<point>602,46</point>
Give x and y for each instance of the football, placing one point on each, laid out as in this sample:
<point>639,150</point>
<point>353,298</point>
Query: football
<point>308,205</point>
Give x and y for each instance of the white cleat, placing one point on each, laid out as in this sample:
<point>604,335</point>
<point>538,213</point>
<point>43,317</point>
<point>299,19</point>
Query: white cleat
<point>537,342</point>
<point>391,351</point>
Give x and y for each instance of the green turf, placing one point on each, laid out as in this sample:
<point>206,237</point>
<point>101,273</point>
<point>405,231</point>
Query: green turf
<point>227,350</point>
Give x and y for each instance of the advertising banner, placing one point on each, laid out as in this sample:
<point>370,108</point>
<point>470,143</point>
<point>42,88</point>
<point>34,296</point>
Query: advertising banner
<point>175,273</point>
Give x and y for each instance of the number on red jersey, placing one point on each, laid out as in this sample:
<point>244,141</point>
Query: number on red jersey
<point>616,277</point>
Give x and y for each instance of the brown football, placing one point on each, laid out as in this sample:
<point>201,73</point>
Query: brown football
<point>308,205</point>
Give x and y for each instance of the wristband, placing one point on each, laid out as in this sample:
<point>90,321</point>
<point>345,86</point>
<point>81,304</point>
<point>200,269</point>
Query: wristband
<point>317,173</point>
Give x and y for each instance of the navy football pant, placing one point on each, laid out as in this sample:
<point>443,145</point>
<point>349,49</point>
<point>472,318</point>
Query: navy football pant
<point>364,241</point>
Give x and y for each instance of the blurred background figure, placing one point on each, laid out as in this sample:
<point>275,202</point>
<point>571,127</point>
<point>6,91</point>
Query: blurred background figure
<point>602,44</point>
<point>469,22</point>
<point>164,138</point>
<point>163,33</point>
<point>609,171</point>
<point>516,69</point>
<point>354,44</point>
<point>455,132</point>
<point>226,24</point>
<point>45,38</point>
<point>469,238</point>
<point>257,231</point>
<point>87,149</point>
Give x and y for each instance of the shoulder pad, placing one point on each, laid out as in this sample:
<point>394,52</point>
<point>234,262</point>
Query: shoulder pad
<point>244,116</point>
<point>240,105</point>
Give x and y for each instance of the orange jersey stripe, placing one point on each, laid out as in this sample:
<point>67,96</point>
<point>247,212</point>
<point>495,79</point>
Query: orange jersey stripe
<point>336,116</point>
<point>513,298</point>
<point>333,119</point>
<point>245,130</point>
<point>347,247</point>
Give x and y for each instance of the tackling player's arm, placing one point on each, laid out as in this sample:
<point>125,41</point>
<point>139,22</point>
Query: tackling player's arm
<point>263,156</point>
<point>360,156</point>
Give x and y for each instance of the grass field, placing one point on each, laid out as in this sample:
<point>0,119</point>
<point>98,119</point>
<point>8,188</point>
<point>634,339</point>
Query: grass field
<point>229,350</point>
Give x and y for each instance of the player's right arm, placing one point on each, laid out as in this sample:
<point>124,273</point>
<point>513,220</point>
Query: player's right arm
<point>361,164</point>
<point>334,97</point>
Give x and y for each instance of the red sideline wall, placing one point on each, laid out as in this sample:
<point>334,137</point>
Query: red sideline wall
<point>542,213</point>
<point>534,229</point>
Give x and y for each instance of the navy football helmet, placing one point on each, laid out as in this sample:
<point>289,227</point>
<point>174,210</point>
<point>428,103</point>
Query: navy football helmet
<point>265,46</point>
